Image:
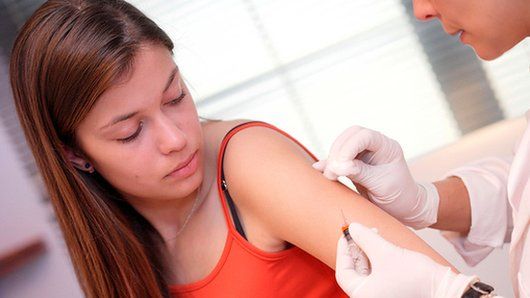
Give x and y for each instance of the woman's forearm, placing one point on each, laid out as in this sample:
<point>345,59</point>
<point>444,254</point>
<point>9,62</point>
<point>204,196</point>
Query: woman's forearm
<point>454,210</point>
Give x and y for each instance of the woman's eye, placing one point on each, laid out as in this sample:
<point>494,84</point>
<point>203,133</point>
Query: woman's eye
<point>133,136</point>
<point>178,99</point>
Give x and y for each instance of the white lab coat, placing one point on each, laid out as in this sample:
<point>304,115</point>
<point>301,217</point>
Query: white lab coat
<point>499,190</point>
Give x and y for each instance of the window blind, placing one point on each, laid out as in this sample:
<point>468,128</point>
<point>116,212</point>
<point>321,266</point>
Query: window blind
<point>314,68</point>
<point>311,67</point>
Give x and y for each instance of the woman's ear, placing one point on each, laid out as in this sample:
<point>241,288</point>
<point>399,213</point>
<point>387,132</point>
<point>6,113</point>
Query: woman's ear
<point>77,160</point>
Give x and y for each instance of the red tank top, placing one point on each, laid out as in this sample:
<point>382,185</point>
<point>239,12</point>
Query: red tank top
<point>246,271</point>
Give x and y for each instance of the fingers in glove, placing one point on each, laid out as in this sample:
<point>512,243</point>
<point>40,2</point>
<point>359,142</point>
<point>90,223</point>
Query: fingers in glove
<point>366,156</point>
<point>330,175</point>
<point>376,248</point>
<point>365,139</point>
<point>343,138</point>
<point>355,170</point>
<point>345,272</point>
<point>363,191</point>
<point>341,168</point>
<point>344,258</point>
<point>320,165</point>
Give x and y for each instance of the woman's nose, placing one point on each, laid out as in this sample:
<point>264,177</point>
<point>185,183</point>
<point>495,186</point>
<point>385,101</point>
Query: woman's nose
<point>169,136</point>
<point>424,10</point>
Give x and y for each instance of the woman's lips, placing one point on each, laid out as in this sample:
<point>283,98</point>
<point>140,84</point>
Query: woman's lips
<point>186,168</point>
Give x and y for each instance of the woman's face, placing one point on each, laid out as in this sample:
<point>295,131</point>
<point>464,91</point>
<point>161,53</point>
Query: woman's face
<point>143,135</point>
<point>491,27</point>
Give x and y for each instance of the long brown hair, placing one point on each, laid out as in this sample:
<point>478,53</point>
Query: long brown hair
<point>65,56</point>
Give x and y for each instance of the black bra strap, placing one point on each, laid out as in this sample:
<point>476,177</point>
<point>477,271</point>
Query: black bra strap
<point>229,200</point>
<point>232,207</point>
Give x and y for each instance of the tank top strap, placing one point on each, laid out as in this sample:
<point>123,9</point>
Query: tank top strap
<point>222,187</point>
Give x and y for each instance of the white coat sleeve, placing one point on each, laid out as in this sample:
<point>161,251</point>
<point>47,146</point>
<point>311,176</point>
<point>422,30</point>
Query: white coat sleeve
<point>491,223</point>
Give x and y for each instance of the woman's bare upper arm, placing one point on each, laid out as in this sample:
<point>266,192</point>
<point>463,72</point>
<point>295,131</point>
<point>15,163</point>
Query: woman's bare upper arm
<point>271,178</point>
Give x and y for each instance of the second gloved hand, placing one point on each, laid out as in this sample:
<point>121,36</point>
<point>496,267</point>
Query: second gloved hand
<point>376,163</point>
<point>396,272</point>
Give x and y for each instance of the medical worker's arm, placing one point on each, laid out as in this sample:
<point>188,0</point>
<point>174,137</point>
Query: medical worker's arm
<point>273,185</point>
<point>491,224</point>
<point>454,209</point>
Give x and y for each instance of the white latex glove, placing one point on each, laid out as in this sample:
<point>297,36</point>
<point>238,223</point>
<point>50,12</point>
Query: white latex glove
<point>396,272</point>
<point>376,165</point>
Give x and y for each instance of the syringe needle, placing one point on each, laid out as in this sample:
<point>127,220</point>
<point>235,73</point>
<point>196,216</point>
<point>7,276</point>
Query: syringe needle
<point>344,217</point>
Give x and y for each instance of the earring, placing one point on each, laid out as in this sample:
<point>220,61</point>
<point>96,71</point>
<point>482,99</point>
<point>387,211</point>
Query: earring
<point>89,168</point>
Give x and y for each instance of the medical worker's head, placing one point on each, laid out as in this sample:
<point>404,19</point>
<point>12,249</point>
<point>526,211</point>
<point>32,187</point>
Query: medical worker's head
<point>491,27</point>
<point>110,122</point>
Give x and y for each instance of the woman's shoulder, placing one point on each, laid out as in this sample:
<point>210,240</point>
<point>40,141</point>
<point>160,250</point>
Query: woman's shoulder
<point>256,155</point>
<point>215,130</point>
<point>218,128</point>
<point>253,137</point>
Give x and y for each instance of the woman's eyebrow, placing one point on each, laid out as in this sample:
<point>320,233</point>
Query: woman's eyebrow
<point>120,119</point>
<point>171,78</point>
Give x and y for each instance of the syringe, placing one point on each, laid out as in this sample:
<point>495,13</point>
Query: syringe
<point>361,263</point>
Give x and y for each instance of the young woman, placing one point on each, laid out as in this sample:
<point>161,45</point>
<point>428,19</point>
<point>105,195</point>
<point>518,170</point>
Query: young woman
<point>482,201</point>
<point>152,202</point>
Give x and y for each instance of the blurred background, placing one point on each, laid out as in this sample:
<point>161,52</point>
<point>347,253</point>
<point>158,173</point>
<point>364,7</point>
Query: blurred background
<point>310,67</point>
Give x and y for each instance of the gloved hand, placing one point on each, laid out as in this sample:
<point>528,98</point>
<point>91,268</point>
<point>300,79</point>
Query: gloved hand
<point>396,272</point>
<point>376,165</point>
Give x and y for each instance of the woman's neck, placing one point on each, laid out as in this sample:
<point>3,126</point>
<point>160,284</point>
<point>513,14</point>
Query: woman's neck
<point>170,217</point>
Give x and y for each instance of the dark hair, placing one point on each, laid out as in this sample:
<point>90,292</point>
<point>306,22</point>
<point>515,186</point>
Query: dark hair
<point>66,55</point>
